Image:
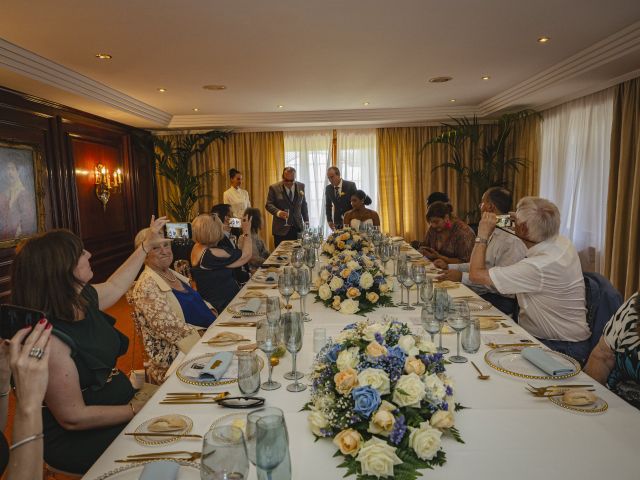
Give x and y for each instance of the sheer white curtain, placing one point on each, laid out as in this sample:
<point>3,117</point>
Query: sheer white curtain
<point>574,171</point>
<point>358,160</point>
<point>310,154</point>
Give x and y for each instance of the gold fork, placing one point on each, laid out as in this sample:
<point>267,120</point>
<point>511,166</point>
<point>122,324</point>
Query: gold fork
<point>175,455</point>
<point>558,394</point>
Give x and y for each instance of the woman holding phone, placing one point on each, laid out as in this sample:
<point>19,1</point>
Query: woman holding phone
<point>88,401</point>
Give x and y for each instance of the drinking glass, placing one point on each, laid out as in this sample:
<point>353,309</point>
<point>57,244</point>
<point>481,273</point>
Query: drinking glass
<point>224,454</point>
<point>400,277</point>
<point>426,293</point>
<point>429,322</point>
<point>405,277</point>
<point>440,307</point>
<point>319,339</point>
<point>268,337</point>
<point>297,257</point>
<point>250,429</point>
<point>471,336</point>
<point>419,275</point>
<point>285,284</point>
<point>272,444</point>
<point>303,286</point>
<point>310,258</point>
<point>248,372</point>
<point>273,309</point>
<point>317,241</point>
<point>395,254</point>
<point>385,254</point>
<point>293,331</point>
<point>458,320</point>
<point>286,222</point>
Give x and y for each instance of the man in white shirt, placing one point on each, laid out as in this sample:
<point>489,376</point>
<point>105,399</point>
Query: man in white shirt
<point>548,283</point>
<point>236,196</point>
<point>503,249</point>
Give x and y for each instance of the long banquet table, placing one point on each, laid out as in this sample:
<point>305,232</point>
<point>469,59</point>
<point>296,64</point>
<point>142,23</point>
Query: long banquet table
<point>508,433</point>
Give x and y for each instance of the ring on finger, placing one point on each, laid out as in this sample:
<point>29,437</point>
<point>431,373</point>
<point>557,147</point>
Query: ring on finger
<point>36,353</point>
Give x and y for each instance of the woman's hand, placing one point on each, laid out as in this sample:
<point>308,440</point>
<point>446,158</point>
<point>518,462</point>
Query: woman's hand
<point>430,253</point>
<point>441,264</point>
<point>30,373</point>
<point>452,275</point>
<point>246,224</point>
<point>154,236</point>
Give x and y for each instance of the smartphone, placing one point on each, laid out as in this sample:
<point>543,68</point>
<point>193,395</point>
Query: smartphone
<point>504,221</point>
<point>235,223</point>
<point>14,318</point>
<point>177,230</point>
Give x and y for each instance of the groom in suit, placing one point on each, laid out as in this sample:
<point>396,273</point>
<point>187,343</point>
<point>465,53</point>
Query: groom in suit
<point>288,205</point>
<point>338,197</point>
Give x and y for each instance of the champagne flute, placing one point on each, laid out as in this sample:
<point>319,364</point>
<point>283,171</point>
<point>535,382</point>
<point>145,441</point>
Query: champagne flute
<point>310,259</point>
<point>303,286</point>
<point>440,305</point>
<point>268,337</point>
<point>385,255</point>
<point>285,285</point>
<point>407,280</point>
<point>429,322</point>
<point>419,275</point>
<point>271,443</point>
<point>317,241</point>
<point>395,254</point>
<point>458,320</point>
<point>273,309</point>
<point>293,331</point>
<point>224,454</point>
<point>400,277</point>
<point>286,222</point>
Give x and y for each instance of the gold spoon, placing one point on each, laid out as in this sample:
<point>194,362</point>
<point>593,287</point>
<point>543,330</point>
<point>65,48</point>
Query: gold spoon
<point>481,376</point>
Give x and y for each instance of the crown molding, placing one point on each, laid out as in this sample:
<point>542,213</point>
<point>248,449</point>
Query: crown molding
<point>605,51</point>
<point>24,62</point>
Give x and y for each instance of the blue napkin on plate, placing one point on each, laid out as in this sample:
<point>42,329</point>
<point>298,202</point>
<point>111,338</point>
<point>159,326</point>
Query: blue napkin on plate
<point>545,362</point>
<point>271,277</point>
<point>217,366</point>
<point>162,470</point>
<point>252,306</point>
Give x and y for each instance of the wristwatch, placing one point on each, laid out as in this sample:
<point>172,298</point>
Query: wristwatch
<point>482,240</point>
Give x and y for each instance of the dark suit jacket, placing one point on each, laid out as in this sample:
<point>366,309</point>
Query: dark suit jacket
<point>277,199</point>
<point>337,207</point>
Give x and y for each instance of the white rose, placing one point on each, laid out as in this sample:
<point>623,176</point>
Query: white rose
<point>324,275</point>
<point>376,378</point>
<point>324,292</point>
<point>425,441</point>
<point>324,402</point>
<point>408,344</point>
<point>317,421</point>
<point>353,265</point>
<point>436,389</point>
<point>356,238</point>
<point>343,336</point>
<point>409,391</point>
<point>442,419</point>
<point>349,307</point>
<point>336,283</point>
<point>426,346</point>
<point>348,358</point>
<point>378,458</point>
<point>369,332</point>
<point>366,280</point>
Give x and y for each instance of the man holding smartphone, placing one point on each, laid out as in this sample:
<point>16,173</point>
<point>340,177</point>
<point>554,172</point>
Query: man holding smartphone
<point>287,203</point>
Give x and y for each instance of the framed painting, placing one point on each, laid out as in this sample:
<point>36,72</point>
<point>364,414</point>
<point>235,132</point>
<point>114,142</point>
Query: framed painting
<point>22,193</point>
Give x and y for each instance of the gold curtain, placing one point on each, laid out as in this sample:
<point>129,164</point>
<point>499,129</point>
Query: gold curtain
<point>258,155</point>
<point>622,254</point>
<point>406,177</point>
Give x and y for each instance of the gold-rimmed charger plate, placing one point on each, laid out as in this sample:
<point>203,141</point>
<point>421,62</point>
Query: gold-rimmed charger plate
<point>188,471</point>
<point>235,307</point>
<point>509,360</point>
<point>153,441</point>
<point>599,406</point>
<point>238,420</point>
<point>230,376</point>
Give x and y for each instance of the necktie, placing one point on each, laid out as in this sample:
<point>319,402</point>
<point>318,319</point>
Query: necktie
<point>290,193</point>
<point>337,189</point>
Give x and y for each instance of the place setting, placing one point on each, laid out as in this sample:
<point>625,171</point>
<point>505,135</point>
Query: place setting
<point>577,398</point>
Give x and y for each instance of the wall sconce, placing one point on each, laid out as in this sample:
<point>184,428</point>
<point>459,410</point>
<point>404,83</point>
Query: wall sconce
<point>107,183</point>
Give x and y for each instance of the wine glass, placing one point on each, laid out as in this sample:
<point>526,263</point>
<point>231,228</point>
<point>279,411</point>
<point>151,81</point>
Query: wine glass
<point>317,241</point>
<point>285,284</point>
<point>251,428</point>
<point>405,277</point>
<point>303,286</point>
<point>440,306</point>
<point>429,322</point>
<point>273,309</point>
<point>458,320</point>
<point>426,293</point>
<point>400,277</point>
<point>297,257</point>
<point>310,259</point>
<point>419,275</point>
<point>385,254</point>
<point>395,254</point>
<point>272,443</point>
<point>268,337</point>
<point>293,331</point>
<point>224,454</point>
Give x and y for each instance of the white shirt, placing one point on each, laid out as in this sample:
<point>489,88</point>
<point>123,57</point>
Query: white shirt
<point>238,199</point>
<point>503,250</point>
<point>550,289</point>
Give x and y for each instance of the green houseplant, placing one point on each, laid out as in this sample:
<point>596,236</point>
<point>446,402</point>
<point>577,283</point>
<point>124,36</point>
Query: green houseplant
<point>172,158</point>
<point>487,163</point>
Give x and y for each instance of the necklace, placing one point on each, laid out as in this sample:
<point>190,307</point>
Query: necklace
<point>171,279</point>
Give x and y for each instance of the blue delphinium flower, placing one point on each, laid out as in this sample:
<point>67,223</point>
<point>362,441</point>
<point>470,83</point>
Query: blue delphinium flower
<point>398,431</point>
<point>366,400</point>
<point>379,338</point>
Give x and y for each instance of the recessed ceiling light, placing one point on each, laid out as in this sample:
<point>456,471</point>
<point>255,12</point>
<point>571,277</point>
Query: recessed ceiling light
<point>162,90</point>
<point>543,39</point>
<point>215,87</point>
<point>440,79</point>
<point>366,104</point>
<point>486,77</point>
<point>280,106</point>
<point>103,56</point>
<point>452,100</point>
<point>196,109</point>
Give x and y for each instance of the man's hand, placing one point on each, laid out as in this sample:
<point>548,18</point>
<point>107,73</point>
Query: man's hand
<point>332,225</point>
<point>441,264</point>
<point>452,275</point>
<point>283,215</point>
<point>487,225</point>
<point>430,253</point>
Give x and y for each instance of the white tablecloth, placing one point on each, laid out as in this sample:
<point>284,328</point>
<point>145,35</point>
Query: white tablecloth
<point>507,432</point>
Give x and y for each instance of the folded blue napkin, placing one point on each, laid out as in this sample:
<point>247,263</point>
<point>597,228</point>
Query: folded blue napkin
<point>281,257</point>
<point>162,470</point>
<point>252,306</point>
<point>545,362</point>
<point>271,277</point>
<point>217,366</point>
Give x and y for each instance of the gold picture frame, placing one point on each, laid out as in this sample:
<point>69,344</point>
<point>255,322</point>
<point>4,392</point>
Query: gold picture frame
<point>22,193</point>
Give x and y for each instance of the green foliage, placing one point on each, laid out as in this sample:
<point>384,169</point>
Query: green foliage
<point>455,433</point>
<point>173,158</point>
<point>489,165</point>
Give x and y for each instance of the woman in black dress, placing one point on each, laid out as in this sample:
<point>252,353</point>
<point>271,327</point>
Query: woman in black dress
<point>212,264</point>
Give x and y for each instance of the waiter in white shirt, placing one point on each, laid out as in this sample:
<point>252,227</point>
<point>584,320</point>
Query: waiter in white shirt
<point>548,283</point>
<point>236,196</point>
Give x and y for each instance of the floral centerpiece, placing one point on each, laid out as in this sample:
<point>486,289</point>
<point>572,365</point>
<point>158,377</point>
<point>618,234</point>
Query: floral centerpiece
<point>382,395</point>
<point>346,239</point>
<point>353,283</point>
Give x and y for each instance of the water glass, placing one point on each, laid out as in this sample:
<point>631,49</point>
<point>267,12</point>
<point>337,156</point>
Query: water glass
<point>292,334</point>
<point>471,336</point>
<point>429,322</point>
<point>419,275</point>
<point>248,372</point>
<point>458,320</point>
<point>224,454</point>
<point>268,337</point>
<point>385,255</point>
<point>426,292</point>
<point>319,339</point>
<point>251,428</point>
<point>272,448</point>
<point>406,279</point>
<point>303,286</point>
<point>310,257</point>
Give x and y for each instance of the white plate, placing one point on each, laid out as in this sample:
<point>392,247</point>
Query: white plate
<point>231,420</point>
<point>478,305</point>
<point>509,360</point>
<point>188,471</point>
<point>152,441</point>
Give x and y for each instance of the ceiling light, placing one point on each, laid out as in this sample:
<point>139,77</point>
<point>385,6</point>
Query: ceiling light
<point>543,39</point>
<point>196,109</point>
<point>440,79</point>
<point>486,77</point>
<point>280,106</point>
<point>215,87</point>
<point>162,90</point>
<point>366,104</point>
<point>103,56</point>
<point>452,100</point>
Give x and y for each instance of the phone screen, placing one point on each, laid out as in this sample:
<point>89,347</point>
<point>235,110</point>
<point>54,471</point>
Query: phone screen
<point>178,230</point>
<point>14,318</point>
<point>235,223</point>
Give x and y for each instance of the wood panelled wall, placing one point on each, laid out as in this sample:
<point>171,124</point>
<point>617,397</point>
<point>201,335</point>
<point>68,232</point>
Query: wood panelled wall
<point>72,143</point>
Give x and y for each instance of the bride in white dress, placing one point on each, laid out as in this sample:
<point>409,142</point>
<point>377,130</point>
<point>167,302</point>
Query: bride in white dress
<point>359,214</point>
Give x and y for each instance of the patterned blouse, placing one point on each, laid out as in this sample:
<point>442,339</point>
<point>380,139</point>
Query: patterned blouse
<point>621,335</point>
<point>162,324</point>
<point>459,244</point>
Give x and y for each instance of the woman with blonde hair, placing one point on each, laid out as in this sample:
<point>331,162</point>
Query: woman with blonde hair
<point>212,265</point>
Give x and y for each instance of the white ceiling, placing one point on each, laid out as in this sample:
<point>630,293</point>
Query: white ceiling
<point>320,59</point>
